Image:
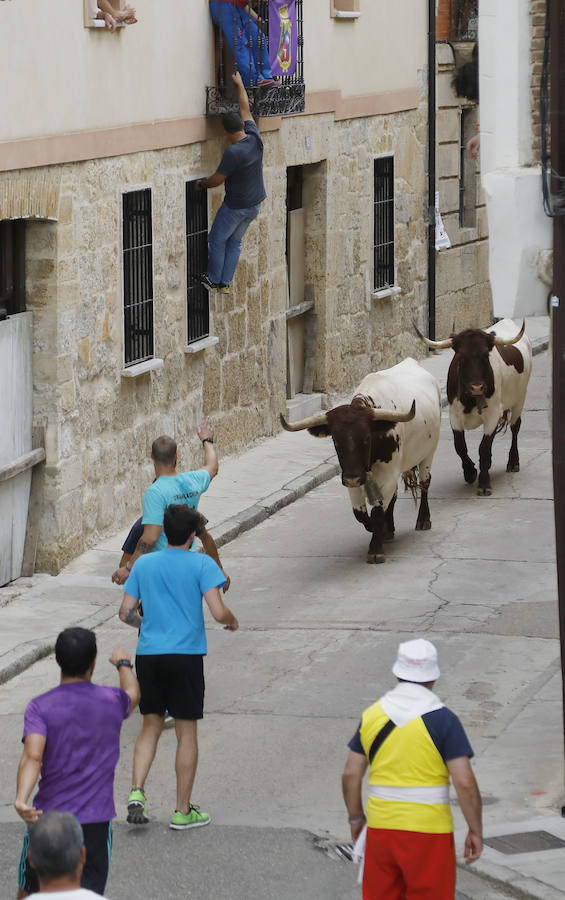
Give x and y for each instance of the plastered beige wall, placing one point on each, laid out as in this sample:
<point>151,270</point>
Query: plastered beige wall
<point>64,78</point>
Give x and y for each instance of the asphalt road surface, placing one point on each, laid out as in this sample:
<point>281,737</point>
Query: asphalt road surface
<point>319,632</point>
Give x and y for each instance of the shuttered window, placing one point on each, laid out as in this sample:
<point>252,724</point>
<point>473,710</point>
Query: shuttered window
<point>197,301</point>
<point>383,223</point>
<point>138,276</point>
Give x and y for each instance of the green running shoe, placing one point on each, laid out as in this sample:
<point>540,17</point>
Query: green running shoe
<point>136,808</point>
<point>193,819</point>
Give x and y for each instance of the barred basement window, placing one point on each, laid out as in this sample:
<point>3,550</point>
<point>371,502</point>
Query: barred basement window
<point>383,220</point>
<point>138,276</point>
<point>12,268</point>
<point>197,301</point>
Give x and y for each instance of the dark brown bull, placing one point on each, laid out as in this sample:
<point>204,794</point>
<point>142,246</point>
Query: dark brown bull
<point>486,386</point>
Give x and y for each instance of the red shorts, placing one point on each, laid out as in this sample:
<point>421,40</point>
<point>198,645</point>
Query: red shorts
<point>402,865</point>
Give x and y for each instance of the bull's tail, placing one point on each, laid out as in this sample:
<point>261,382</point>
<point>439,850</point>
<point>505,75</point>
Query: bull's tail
<point>411,482</point>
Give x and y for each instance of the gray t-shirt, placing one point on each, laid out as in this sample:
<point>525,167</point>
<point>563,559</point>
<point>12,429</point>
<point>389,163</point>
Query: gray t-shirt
<point>242,162</point>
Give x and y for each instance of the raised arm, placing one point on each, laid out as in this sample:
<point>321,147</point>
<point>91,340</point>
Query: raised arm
<point>469,797</point>
<point>242,98</point>
<point>206,435</point>
<point>28,773</point>
<point>128,681</point>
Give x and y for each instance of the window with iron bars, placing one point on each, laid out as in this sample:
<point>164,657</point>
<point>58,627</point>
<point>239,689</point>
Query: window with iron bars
<point>197,301</point>
<point>138,276</point>
<point>383,222</point>
<point>12,268</point>
<point>286,95</point>
<point>463,20</point>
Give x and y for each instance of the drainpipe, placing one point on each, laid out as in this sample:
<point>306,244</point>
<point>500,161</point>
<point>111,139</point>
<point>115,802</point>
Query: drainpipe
<point>431,169</point>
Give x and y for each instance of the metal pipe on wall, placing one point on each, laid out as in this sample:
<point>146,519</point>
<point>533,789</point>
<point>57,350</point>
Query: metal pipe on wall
<point>431,169</point>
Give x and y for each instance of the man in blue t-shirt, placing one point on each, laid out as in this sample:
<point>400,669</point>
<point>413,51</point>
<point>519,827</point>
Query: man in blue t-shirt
<point>241,168</point>
<point>169,487</point>
<point>169,655</point>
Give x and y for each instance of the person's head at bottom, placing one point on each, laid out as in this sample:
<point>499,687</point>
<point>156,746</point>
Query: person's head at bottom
<point>56,851</point>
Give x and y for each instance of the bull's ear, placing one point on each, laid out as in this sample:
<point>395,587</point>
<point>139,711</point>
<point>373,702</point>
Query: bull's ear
<point>319,431</point>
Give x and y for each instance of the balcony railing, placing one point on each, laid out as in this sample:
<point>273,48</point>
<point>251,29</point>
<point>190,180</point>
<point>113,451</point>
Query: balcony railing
<point>243,40</point>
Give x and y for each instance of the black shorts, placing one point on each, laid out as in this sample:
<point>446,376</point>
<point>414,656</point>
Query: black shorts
<point>98,844</point>
<point>173,683</point>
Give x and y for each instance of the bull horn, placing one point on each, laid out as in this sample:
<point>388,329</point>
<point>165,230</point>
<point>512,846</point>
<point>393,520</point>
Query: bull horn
<point>503,342</point>
<point>381,415</point>
<point>319,419</point>
<point>435,345</point>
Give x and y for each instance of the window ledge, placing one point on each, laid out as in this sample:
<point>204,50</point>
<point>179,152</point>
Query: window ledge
<point>197,346</point>
<point>142,367</point>
<point>393,291</point>
<point>345,14</point>
<point>299,309</point>
<point>100,23</point>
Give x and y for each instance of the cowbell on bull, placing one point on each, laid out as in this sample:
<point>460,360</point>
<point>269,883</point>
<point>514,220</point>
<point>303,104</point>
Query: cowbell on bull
<point>390,428</point>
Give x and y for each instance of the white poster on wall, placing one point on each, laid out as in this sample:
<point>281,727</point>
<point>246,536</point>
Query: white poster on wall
<point>442,237</point>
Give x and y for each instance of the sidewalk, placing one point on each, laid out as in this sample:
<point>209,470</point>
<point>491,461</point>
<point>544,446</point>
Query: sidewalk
<point>251,487</point>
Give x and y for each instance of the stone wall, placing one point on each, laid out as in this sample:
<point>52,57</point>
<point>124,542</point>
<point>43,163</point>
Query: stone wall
<point>537,14</point>
<point>100,424</point>
<point>463,294</point>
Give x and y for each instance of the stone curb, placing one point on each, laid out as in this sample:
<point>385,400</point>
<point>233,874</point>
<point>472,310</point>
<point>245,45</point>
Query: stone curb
<point>25,655</point>
<point>515,884</point>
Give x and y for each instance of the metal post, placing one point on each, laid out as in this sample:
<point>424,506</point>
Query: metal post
<point>557,101</point>
<point>431,169</point>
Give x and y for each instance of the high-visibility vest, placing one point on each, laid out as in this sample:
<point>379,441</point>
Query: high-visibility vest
<point>408,779</point>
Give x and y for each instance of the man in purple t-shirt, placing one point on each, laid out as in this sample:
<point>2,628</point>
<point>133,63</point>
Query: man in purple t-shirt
<point>72,743</point>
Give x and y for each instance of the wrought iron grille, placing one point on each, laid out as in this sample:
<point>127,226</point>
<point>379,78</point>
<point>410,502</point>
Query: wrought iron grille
<point>197,303</point>
<point>138,276</point>
<point>12,268</point>
<point>383,220</point>
<point>464,20</point>
<point>286,95</point>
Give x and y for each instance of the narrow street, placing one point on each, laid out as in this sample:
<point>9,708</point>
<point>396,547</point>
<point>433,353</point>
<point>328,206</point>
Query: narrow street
<point>319,632</point>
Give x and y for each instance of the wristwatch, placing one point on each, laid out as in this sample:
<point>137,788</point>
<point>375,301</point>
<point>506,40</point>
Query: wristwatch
<point>124,662</point>
<point>207,440</point>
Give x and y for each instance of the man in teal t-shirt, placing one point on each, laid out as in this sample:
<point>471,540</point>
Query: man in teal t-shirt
<point>170,487</point>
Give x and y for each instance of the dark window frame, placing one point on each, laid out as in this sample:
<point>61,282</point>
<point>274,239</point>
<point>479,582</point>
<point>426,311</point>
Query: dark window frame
<point>12,267</point>
<point>138,281</point>
<point>196,235</point>
<point>383,222</point>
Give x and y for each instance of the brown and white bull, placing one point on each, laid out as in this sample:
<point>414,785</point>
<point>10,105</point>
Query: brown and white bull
<point>486,386</point>
<point>390,428</point>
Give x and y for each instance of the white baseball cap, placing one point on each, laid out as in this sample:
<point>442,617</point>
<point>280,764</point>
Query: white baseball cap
<point>416,661</point>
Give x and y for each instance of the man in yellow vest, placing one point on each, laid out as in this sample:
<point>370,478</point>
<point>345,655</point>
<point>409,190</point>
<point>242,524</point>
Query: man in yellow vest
<point>411,744</point>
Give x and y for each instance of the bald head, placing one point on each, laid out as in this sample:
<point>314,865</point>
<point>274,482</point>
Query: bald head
<point>55,846</point>
<point>164,450</point>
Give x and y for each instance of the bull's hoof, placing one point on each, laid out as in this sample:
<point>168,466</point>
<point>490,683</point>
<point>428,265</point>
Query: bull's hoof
<point>513,467</point>
<point>388,537</point>
<point>423,526</point>
<point>470,475</point>
<point>484,491</point>
<point>375,558</point>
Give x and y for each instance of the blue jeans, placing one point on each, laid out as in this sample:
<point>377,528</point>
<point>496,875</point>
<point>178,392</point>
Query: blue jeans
<point>260,63</point>
<point>224,241</point>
